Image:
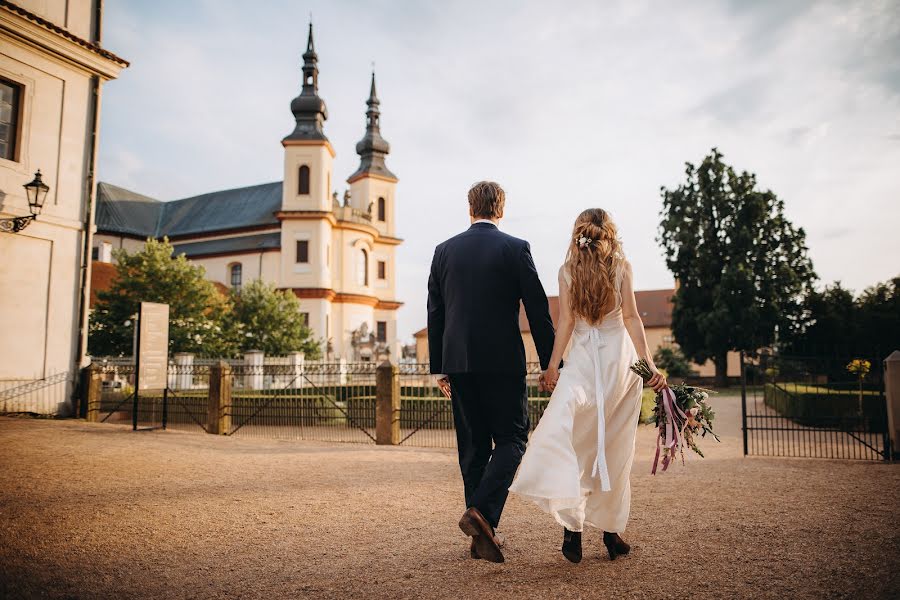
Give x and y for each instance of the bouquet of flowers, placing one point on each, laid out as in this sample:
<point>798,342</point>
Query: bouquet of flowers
<point>681,414</point>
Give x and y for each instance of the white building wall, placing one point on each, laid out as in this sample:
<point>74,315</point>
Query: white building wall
<point>40,267</point>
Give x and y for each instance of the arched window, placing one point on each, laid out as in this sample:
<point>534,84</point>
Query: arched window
<point>382,209</point>
<point>236,274</point>
<point>303,187</point>
<point>362,268</point>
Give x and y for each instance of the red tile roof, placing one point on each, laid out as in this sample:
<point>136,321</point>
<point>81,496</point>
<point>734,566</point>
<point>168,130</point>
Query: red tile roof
<point>102,276</point>
<point>654,306</point>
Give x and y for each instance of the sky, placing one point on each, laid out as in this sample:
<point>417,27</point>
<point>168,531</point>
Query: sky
<point>568,105</point>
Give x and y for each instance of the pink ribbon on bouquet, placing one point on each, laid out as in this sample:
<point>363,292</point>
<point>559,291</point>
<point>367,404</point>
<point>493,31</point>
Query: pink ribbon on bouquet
<point>672,437</point>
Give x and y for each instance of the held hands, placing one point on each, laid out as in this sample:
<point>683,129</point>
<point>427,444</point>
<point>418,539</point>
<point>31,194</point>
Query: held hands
<point>548,379</point>
<point>444,385</point>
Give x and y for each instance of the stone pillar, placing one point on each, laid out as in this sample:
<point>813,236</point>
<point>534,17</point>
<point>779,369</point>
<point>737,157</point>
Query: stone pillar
<point>297,361</point>
<point>184,371</point>
<point>92,393</point>
<point>387,404</point>
<point>892,392</point>
<point>218,420</point>
<point>254,361</point>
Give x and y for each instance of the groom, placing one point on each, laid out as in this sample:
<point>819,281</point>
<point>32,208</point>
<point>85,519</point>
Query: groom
<point>478,279</point>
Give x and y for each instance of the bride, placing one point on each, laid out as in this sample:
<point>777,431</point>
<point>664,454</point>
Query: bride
<point>579,457</point>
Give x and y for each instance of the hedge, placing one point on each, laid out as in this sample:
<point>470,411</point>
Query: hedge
<point>821,406</point>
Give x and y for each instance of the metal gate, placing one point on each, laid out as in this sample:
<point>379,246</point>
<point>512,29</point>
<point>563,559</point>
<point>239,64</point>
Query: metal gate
<point>812,406</point>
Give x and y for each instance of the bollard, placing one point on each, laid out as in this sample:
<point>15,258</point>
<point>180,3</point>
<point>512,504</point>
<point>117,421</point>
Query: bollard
<point>387,404</point>
<point>92,393</point>
<point>892,395</point>
<point>219,416</point>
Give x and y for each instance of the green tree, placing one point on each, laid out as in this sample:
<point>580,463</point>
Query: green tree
<point>833,322</point>
<point>264,318</point>
<point>742,267</point>
<point>879,317</point>
<point>151,274</point>
<point>673,361</point>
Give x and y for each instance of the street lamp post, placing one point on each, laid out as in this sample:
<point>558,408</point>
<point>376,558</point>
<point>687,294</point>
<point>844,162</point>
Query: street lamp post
<point>36,190</point>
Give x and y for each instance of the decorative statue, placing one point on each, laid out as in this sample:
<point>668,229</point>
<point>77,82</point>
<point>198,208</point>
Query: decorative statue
<point>346,197</point>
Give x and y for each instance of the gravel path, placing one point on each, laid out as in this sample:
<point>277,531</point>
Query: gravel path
<point>97,511</point>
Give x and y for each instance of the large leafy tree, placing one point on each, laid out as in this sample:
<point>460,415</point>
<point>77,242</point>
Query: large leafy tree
<point>264,318</point>
<point>742,268</point>
<point>196,307</point>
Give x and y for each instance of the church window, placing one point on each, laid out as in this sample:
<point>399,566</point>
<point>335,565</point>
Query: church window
<point>382,269</point>
<point>362,268</point>
<point>382,210</point>
<point>302,251</point>
<point>303,178</point>
<point>236,275</point>
<point>381,331</point>
<point>10,99</point>
<point>304,319</point>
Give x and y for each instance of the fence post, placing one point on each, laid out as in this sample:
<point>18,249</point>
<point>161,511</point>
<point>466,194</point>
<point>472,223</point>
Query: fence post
<point>744,401</point>
<point>92,393</point>
<point>387,404</point>
<point>218,420</point>
<point>892,396</point>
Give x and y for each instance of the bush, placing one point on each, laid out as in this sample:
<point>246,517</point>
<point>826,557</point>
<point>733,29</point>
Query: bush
<point>673,362</point>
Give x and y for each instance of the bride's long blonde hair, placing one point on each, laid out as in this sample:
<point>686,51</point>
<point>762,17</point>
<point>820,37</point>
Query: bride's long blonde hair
<point>593,261</point>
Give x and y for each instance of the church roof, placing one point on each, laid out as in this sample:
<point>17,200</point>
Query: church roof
<point>125,212</point>
<point>244,243</point>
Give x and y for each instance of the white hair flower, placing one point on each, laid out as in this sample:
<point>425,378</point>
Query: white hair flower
<point>584,242</point>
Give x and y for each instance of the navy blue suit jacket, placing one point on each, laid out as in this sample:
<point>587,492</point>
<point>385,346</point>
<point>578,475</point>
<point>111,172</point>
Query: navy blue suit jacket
<point>478,278</point>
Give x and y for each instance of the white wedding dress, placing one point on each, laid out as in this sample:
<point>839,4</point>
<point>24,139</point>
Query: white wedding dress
<point>579,457</point>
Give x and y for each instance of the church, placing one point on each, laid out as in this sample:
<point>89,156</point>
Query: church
<point>337,255</point>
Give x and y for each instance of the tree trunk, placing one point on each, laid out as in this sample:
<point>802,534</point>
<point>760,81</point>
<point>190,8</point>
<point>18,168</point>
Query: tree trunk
<point>721,362</point>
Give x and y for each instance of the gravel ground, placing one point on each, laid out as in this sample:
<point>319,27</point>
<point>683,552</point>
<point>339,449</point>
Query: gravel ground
<point>98,511</point>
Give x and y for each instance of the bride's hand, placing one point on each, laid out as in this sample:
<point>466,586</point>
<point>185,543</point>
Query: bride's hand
<point>658,381</point>
<point>550,377</point>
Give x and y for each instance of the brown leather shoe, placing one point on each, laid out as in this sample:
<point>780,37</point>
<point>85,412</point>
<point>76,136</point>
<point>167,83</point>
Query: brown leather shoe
<point>499,537</point>
<point>485,544</point>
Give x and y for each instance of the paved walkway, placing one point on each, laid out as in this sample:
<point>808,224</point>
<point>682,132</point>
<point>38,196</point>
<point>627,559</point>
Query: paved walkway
<point>97,511</point>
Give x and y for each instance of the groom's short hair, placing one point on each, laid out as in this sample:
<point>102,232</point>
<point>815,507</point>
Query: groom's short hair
<point>486,200</point>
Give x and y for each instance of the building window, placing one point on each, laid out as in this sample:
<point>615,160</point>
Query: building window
<point>302,251</point>
<point>303,178</point>
<point>382,210</point>
<point>304,319</point>
<point>95,253</point>
<point>381,331</point>
<point>362,268</point>
<point>382,269</point>
<point>236,275</point>
<point>10,99</point>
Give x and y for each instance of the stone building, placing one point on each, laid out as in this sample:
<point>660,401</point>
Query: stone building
<point>52,71</point>
<point>336,254</point>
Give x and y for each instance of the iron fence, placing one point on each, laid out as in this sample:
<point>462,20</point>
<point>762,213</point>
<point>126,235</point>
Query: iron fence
<point>332,402</point>
<point>182,405</point>
<point>805,406</point>
<point>283,399</point>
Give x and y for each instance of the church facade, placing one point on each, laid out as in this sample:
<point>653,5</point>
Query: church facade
<point>337,255</point>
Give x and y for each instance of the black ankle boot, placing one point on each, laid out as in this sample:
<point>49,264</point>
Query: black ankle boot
<point>571,547</point>
<point>615,545</point>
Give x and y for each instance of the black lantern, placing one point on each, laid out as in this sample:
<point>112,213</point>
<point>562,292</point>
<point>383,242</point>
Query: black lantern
<point>36,191</point>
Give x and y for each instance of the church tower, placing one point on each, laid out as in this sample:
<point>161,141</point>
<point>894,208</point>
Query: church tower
<point>372,185</point>
<point>308,155</point>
